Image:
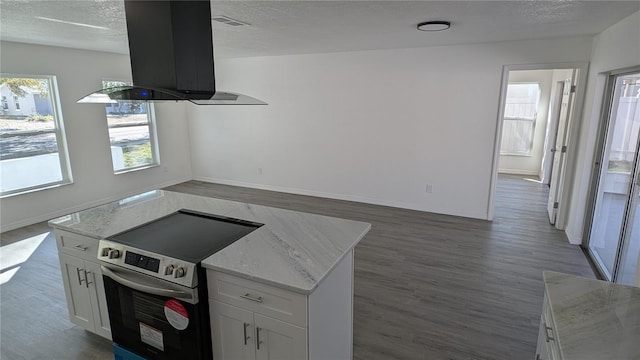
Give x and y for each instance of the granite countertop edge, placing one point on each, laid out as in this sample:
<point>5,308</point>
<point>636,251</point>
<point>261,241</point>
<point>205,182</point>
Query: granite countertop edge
<point>593,318</point>
<point>297,289</point>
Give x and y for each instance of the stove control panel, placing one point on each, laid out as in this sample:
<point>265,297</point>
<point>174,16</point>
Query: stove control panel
<point>141,261</point>
<point>158,266</point>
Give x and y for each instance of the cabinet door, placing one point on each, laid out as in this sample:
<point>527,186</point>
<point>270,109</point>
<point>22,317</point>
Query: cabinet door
<point>553,351</point>
<point>75,288</point>
<point>98,300</point>
<point>541,350</point>
<point>232,332</point>
<point>277,340</point>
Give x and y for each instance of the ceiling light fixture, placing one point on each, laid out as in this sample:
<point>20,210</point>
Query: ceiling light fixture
<point>72,23</point>
<point>434,25</point>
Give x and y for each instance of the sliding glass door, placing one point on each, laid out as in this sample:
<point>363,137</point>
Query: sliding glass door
<point>614,230</point>
<point>628,272</point>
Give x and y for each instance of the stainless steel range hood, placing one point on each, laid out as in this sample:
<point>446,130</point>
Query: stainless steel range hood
<point>171,51</point>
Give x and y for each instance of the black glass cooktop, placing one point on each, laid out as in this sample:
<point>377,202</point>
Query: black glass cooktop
<point>186,235</point>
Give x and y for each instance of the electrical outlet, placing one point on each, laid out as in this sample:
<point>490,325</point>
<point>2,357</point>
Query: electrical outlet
<point>429,189</point>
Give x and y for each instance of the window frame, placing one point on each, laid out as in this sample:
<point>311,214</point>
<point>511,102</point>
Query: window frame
<point>532,120</point>
<point>58,130</point>
<point>153,135</point>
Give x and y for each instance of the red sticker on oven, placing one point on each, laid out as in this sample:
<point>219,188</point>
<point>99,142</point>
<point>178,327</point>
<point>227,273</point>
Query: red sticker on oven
<point>176,314</point>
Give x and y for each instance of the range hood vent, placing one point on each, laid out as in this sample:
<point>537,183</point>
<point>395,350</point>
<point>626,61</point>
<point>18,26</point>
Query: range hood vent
<point>131,93</point>
<point>171,51</point>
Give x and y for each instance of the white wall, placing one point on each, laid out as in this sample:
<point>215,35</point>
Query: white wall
<point>530,165</point>
<point>371,126</point>
<point>79,73</point>
<point>615,48</point>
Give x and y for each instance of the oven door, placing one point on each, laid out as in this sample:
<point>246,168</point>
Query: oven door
<point>154,318</point>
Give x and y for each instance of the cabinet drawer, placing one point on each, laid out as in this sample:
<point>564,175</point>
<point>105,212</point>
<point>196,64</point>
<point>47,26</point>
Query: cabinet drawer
<point>551,337</point>
<point>77,245</point>
<point>263,299</point>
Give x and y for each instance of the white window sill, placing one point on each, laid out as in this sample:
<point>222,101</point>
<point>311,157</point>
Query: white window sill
<point>128,170</point>
<point>34,189</point>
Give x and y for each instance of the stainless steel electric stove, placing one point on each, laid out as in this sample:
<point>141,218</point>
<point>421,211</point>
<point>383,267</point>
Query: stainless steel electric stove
<point>156,289</point>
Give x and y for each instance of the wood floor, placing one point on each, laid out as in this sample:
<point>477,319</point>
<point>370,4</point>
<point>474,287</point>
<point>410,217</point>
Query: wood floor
<point>427,286</point>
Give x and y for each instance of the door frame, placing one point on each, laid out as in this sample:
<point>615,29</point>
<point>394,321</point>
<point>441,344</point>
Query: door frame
<point>596,166</point>
<point>581,85</point>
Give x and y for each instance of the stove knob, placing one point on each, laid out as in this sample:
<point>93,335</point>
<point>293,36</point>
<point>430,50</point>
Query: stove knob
<point>105,251</point>
<point>180,272</point>
<point>168,270</point>
<point>114,254</point>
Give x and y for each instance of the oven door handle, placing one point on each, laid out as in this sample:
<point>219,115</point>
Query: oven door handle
<point>145,288</point>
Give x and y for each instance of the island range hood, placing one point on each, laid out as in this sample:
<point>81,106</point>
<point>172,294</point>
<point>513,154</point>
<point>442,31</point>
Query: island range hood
<point>171,51</point>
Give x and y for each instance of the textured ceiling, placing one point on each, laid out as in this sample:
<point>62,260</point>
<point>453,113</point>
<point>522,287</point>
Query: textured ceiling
<point>295,27</point>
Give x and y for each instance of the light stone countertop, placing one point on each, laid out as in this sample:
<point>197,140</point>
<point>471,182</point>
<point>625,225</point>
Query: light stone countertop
<point>293,250</point>
<point>594,319</point>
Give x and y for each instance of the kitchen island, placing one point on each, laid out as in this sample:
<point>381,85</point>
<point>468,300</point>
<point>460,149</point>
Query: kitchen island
<point>588,319</point>
<point>291,278</point>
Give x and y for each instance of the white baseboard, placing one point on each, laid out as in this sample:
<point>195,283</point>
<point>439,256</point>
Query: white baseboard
<point>61,212</point>
<point>574,238</point>
<point>519,172</point>
<point>360,199</point>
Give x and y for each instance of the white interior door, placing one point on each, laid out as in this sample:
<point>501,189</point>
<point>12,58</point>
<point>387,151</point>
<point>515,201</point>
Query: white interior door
<point>560,152</point>
<point>552,133</point>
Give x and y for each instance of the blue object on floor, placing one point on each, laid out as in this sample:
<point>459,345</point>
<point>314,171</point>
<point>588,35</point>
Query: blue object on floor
<point>121,353</point>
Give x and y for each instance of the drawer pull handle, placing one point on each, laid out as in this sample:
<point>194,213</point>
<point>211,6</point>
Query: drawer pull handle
<point>245,333</point>
<point>546,333</point>
<point>258,341</point>
<point>81,248</point>
<point>80,280</point>
<point>249,297</point>
<point>86,278</point>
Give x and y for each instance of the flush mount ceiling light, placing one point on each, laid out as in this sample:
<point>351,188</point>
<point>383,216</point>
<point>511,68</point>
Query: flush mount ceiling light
<point>434,25</point>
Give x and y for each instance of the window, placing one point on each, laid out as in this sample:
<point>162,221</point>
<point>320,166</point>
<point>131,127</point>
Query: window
<point>33,153</point>
<point>132,133</point>
<point>520,113</point>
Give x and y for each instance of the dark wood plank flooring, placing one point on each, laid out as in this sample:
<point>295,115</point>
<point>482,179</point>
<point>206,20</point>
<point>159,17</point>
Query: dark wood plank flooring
<point>427,286</point>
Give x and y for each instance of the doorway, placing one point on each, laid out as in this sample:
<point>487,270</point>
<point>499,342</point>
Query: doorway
<point>534,141</point>
<point>613,232</point>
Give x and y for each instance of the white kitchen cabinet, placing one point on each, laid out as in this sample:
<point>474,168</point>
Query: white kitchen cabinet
<point>253,320</point>
<point>233,329</point>
<point>78,298</point>
<point>83,284</point>
<point>276,339</point>
<point>541,350</point>
<point>548,348</point>
<point>98,300</point>
<point>242,334</point>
